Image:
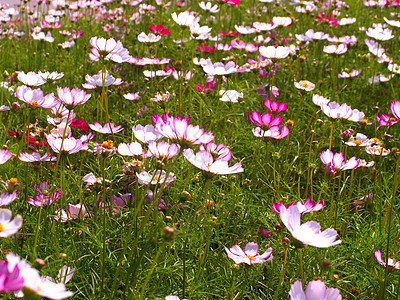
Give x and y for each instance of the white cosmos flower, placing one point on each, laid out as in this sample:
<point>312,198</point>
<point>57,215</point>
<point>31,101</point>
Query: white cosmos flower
<point>272,52</point>
<point>245,29</point>
<point>209,6</point>
<point>150,38</point>
<point>392,22</point>
<point>230,95</point>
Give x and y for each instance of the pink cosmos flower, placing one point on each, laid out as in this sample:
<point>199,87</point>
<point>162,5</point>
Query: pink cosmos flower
<point>352,73</point>
<point>7,198</point>
<point>391,263</point>
<point>96,81</point>
<point>386,120</point>
<point>35,157</point>
<point>307,207</point>
<point>249,255</point>
<point>30,79</point>
<point>205,161</point>
<point>220,151</point>
<point>335,162</point>
<point>219,68</point>
<point>5,155</point>
<point>70,145</point>
<point>265,121</point>
<point>335,49</point>
<point>132,149</point>
<point>35,97</point>
<point>272,52</point>
<point>315,289</point>
<point>328,19</point>
<point>72,98</point>
<point>304,85</point>
<point>243,46</point>
<point>132,96</point>
<point>275,106</point>
<point>395,109</point>
<point>157,177</point>
<point>232,2</point>
<point>74,212</point>
<point>108,50</point>
<point>10,279</point>
<point>336,111</point>
<point>146,134</point>
<point>9,227</point>
<point>274,132</point>
<point>108,128</point>
<point>224,47</point>
<point>162,150</point>
<point>308,233</point>
<point>178,130</point>
<point>377,150</point>
<point>34,282</point>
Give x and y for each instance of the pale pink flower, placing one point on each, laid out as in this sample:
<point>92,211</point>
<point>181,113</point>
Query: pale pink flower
<point>209,6</point>
<point>377,150</point>
<point>230,96</point>
<point>315,290</point>
<point>96,81</point>
<point>5,155</point>
<point>150,38</point>
<point>219,151</point>
<point>245,29</point>
<point>69,145</point>
<point>394,23</point>
<point>157,177</point>
<point>74,212</point>
<point>108,50</point>
<point>35,157</point>
<point>30,79</point>
<point>146,134</point>
<point>219,68</point>
<point>335,49</point>
<point>304,85</point>
<point>308,206</point>
<point>7,226</point>
<point>204,160</point>
<point>7,198</point>
<point>264,26</point>
<point>50,77</point>
<point>132,149</point>
<point>108,128</point>
<point>350,74</point>
<point>72,98</point>
<point>320,100</point>
<point>243,46</point>
<point>35,97</point>
<point>249,255</point>
<point>271,52</point>
<point>132,96</point>
<point>162,150</point>
<point>360,140</point>
<point>308,233</point>
<point>185,19</point>
<point>274,132</point>
<point>336,111</point>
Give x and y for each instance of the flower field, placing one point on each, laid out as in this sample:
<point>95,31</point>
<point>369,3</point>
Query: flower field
<point>232,149</point>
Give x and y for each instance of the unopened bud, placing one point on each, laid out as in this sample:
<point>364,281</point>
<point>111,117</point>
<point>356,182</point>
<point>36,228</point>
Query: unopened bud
<point>169,233</point>
<point>40,263</point>
<point>278,226</point>
<point>320,122</point>
<point>187,195</point>
<point>388,136</point>
<point>63,255</point>
<point>285,240</point>
<point>15,106</point>
<point>209,204</point>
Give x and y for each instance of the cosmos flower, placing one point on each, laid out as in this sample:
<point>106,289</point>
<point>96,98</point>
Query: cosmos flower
<point>7,198</point>
<point>30,79</point>
<point>74,212</point>
<point>335,162</point>
<point>275,106</point>
<point>249,255</point>
<point>132,149</point>
<point>157,177</point>
<point>307,207</point>
<point>108,49</point>
<point>360,140</point>
<point>178,130</point>
<point>204,160</point>
<point>274,132</point>
<point>219,151</point>
<point>5,155</point>
<point>69,145</point>
<point>10,279</point>
<point>7,226</point>
<point>209,7</point>
<point>230,96</point>
<point>336,111</point>
<point>380,33</point>
<point>162,150</point>
<point>72,98</point>
<point>386,120</point>
<point>315,289</point>
<point>304,85</point>
<point>219,68</point>
<point>50,77</point>
<point>96,81</point>
<point>185,19</point>
<point>335,49</point>
<point>150,38</point>
<point>243,46</point>
<point>146,134</point>
<point>377,150</point>
<point>272,52</point>
<point>159,29</point>
<point>35,157</point>
<point>352,73</point>
<point>264,121</point>
<point>391,263</point>
<point>245,29</point>
<point>35,97</point>
<point>308,233</point>
<point>108,128</point>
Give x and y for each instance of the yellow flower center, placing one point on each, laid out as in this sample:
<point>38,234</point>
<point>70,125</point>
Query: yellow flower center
<point>108,144</point>
<point>376,140</point>
<point>391,119</point>
<point>305,85</point>
<point>208,165</point>
<point>14,180</point>
<point>1,227</point>
<point>364,122</point>
<point>357,142</point>
<point>34,102</point>
<point>156,178</point>
<point>350,74</point>
<point>250,257</point>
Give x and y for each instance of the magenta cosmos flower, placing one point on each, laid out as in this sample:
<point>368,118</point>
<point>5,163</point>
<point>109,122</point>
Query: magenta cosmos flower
<point>178,130</point>
<point>10,280</point>
<point>72,98</point>
<point>391,263</point>
<point>205,161</point>
<point>243,46</point>
<point>307,207</point>
<point>315,290</point>
<point>395,109</point>
<point>275,106</point>
<point>35,97</point>
<point>308,233</point>
<point>249,255</point>
<point>264,121</point>
<point>335,162</point>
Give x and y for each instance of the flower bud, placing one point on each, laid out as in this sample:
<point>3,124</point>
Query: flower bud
<point>169,233</point>
<point>278,227</point>
<point>40,263</point>
<point>15,106</point>
<point>187,195</point>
